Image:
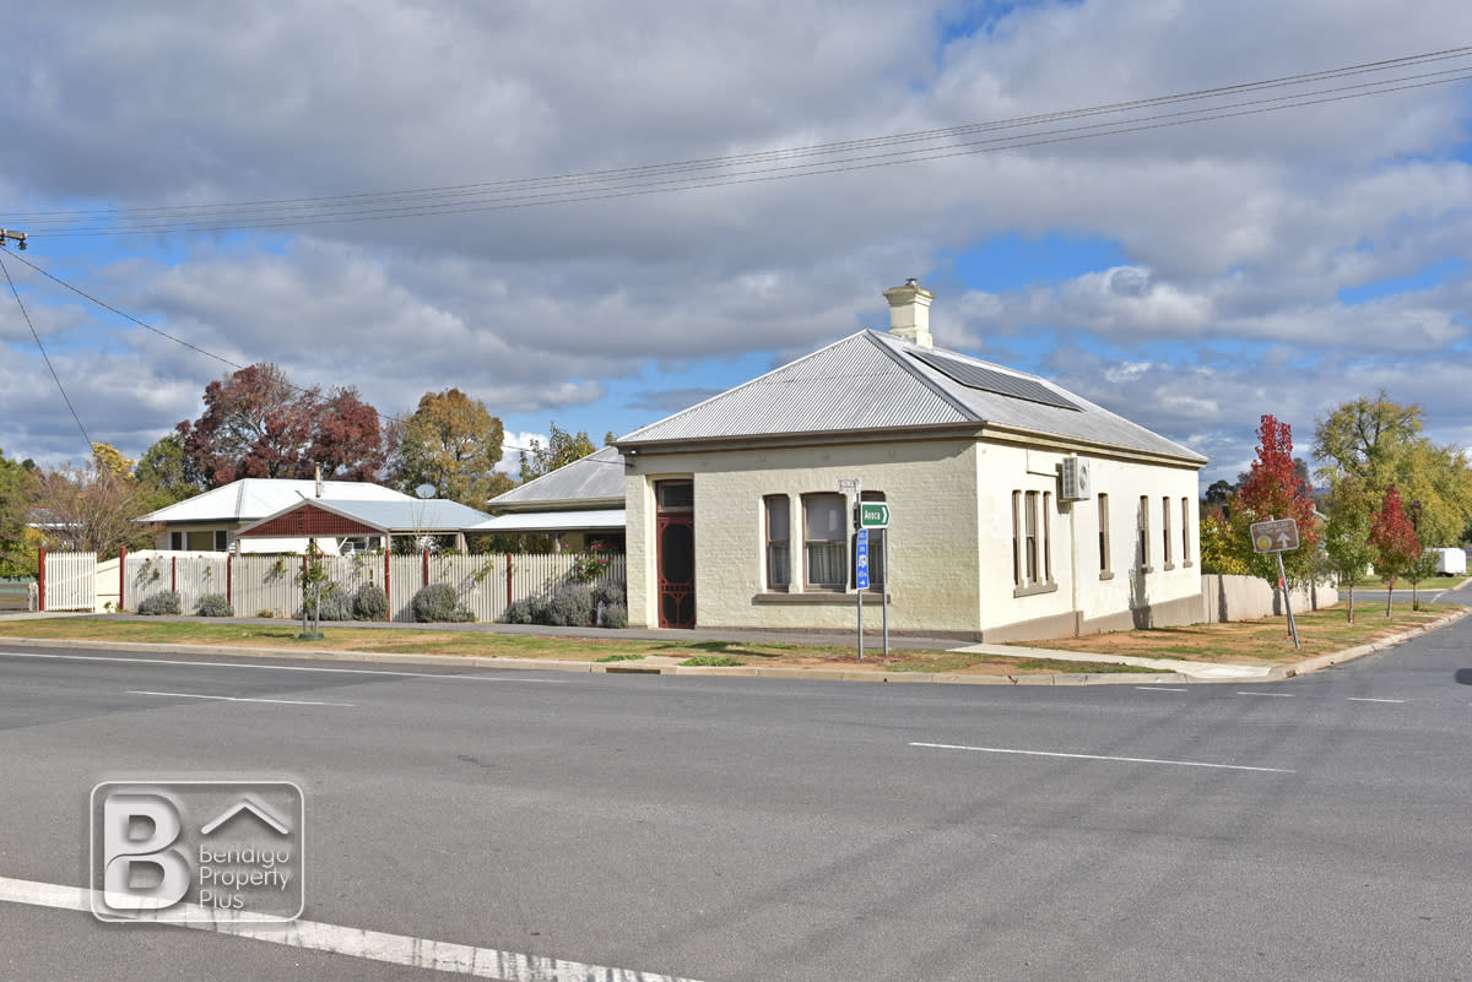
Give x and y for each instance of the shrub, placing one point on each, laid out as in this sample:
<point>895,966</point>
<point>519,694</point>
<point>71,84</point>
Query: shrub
<point>333,606</point>
<point>615,615</point>
<point>266,612</point>
<point>167,602</point>
<point>609,594</point>
<point>522,612</point>
<point>370,603</point>
<point>437,603</point>
<point>214,605</point>
<point>571,606</point>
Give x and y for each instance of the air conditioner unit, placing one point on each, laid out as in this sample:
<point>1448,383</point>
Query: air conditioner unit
<point>1076,484</point>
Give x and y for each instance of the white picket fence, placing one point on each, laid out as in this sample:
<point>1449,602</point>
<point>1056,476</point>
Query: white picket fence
<point>271,585</point>
<point>68,581</point>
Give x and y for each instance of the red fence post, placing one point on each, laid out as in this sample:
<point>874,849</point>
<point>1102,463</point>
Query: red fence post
<point>173,574</point>
<point>388,584</point>
<point>426,568</point>
<point>41,578</point>
<point>508,579</point>
<point>122,575</point>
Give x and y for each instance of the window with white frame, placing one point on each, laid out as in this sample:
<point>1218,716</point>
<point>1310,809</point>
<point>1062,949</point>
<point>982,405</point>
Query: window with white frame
<point>777,521</point>
<point>825,542</point>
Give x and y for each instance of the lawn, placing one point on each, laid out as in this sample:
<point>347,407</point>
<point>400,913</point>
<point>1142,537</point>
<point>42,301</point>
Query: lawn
<point>1321,631</point>
<point>490,644</point>
<point>1433,584</point>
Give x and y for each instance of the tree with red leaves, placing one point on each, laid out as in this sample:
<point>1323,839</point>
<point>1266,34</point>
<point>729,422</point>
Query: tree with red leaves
<point>257,424</point>
<point>1397,547</point>
<point>1275,487</point>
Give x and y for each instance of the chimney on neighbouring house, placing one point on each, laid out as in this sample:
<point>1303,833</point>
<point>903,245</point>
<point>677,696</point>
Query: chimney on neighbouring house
<point>909,313</point>
<point>319,480</point>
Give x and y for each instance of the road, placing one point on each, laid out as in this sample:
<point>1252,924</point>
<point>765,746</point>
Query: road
<point>743,829</point>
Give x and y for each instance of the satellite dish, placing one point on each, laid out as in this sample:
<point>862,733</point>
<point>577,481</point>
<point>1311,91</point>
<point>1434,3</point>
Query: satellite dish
<point>424,491</point>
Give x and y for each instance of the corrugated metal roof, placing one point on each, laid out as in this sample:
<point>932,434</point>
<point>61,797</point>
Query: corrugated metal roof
<point>410,515</point>
<point>598,476</point>
<point>851,384</point>
<point>256,497</point>
<point>868,381</point>
<point>554,521</point>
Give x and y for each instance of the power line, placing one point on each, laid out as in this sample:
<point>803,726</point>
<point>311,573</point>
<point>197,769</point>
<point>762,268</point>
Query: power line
<point>686,175</point>
<point>163,334</point>
<point>44,356</point>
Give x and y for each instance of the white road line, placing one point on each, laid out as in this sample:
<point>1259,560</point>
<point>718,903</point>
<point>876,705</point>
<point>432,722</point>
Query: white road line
<point>1368,699</point>
<point>279,668</point>
<point>1267,695</point>
<point>198,695</point>
<point>394,949</point>
<point>1126,760</point>
<point>1158,688</point>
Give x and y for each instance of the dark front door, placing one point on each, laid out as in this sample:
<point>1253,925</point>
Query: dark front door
<point>675,527</point>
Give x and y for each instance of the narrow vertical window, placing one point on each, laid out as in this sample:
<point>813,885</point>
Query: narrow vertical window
<point>1103,533</point>
<point>176,541</point>
<point>1048,536</point>
<point>1017,538</point>
<point>779,541</point>
<point>1030,540</point>
<point>222,541</point>
<point>1185,531</point>
<point>1143,546</point>
<point>825,540</point>
<point>1165,530</point>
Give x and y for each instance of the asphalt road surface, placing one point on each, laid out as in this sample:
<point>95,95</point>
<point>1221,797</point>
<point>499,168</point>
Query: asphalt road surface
<point>744,829</point>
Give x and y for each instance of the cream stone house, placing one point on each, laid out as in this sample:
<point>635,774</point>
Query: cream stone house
<point>1019,510</point>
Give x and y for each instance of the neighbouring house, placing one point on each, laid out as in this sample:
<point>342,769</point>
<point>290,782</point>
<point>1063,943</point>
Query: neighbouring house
<point>1019,510</point>
<point>210,522</point>
<point>581,505</point>
<point>365,525</point>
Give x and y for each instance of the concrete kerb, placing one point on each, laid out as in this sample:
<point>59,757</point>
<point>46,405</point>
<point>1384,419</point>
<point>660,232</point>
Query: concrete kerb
<point>610,668</point>
<point>1329,660</point>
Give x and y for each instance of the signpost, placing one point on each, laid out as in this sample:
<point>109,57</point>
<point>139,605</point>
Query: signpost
<point>1278,536</point>
<point>875,515</point>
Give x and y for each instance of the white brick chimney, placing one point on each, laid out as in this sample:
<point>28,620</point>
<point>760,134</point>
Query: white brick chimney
<point>909,313</point>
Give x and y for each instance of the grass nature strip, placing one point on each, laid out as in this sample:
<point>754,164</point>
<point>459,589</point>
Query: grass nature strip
<point>346,638</point>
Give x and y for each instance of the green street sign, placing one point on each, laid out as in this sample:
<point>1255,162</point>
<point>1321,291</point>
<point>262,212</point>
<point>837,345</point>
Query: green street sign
<point>873,515</point>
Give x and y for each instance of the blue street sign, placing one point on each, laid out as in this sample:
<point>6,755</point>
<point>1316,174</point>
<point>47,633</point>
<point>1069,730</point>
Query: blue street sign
<point>861,560</point>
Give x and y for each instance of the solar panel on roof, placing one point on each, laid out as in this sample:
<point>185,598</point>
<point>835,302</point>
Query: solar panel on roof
<point>988,380</point>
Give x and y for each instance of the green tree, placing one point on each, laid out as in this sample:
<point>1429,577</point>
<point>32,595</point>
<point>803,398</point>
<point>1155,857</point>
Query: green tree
<point>561,449</point>
<point>1376,444</point>
<point>164,473</point>
<point>452,442</point>
<point>18,487</point>
<point>1219,553</point>
<point>1347,544</point>
<point>609,438</point>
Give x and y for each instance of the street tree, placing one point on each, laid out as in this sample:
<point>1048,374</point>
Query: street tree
<point>1395,543</point>
<point>452,442</point>
<point>561,449</point>
<point>163,472</point>
<point>18,489</point>
<point>1347,545</point>
<point>1274,488</point>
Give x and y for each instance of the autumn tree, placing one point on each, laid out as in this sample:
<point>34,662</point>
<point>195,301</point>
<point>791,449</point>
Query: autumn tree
<point>256,423</point>
<point>1274,487</point>
<point>561,449</point>
<point>1395,542</point>
<point>93,509</point>
<point>452,442</point>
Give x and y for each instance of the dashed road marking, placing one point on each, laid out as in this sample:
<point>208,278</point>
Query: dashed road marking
<point>1123,760</point>
<point>1158,688</point>
<point>199,695</point>
<point>1266,695</point>
<point>1368,699</point>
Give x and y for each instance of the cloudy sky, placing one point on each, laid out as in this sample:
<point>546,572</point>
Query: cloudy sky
<point>1190,277</point>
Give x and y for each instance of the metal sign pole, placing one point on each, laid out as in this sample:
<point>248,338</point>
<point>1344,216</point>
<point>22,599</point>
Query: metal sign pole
<point>861,625</point>
<point>884,586</point>
<point>1287,601</point>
